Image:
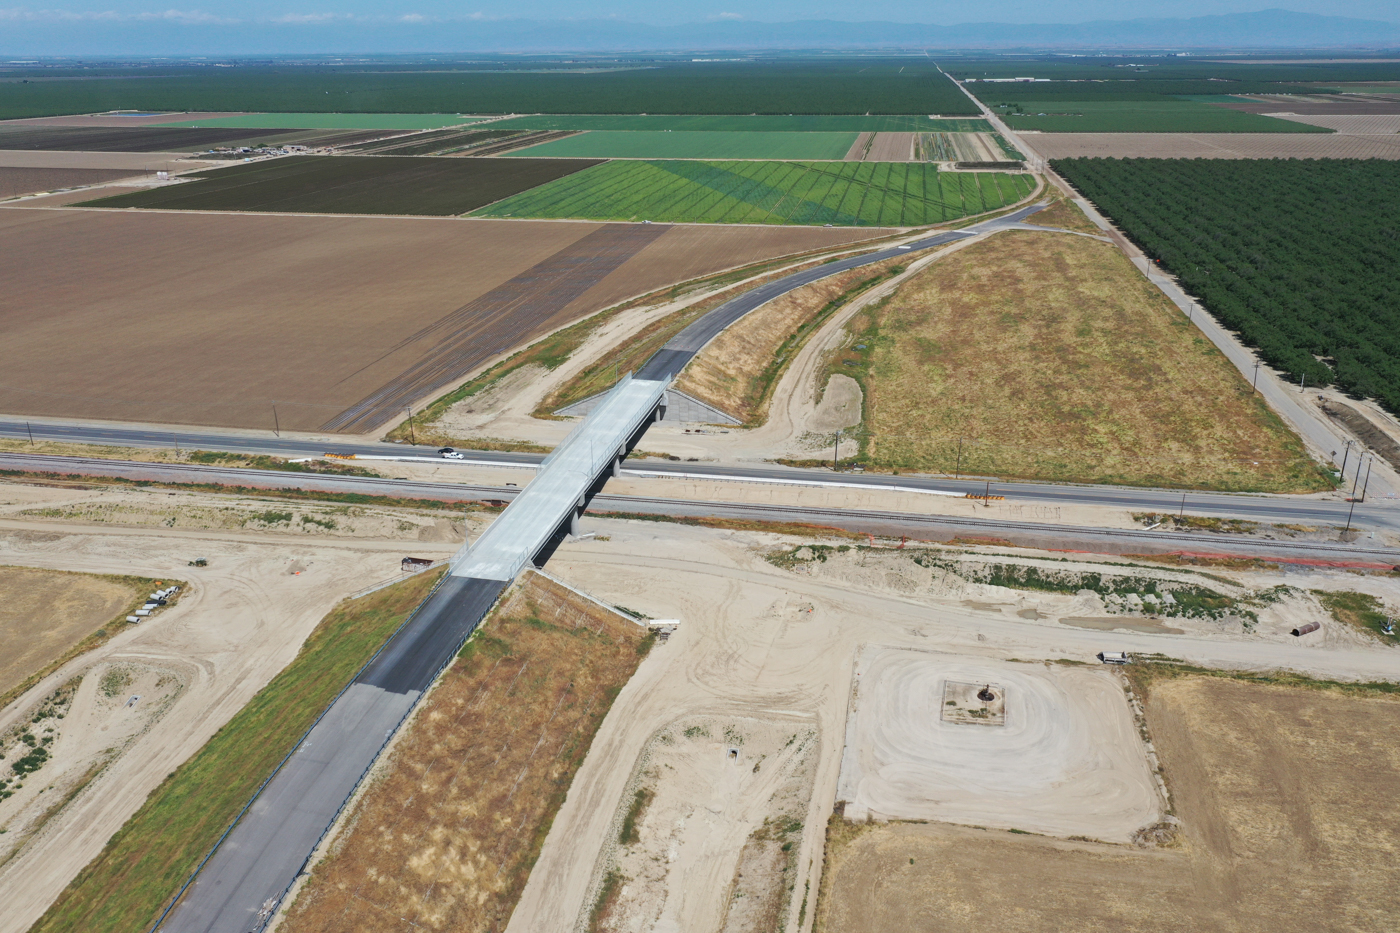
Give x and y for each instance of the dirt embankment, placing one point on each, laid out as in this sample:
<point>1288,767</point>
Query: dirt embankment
<point>738,371</point>
<point>447,833</point>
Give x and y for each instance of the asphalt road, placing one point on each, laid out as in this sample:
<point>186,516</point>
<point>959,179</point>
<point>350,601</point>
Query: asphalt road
<point>1376,513</point>
<point>1054,535</point>
<point>237,888</point>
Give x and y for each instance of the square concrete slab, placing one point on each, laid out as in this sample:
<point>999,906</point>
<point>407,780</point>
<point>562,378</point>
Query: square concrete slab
<point>1065,760</point>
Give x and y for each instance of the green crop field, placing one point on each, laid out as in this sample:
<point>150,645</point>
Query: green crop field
<point>843,193</point>
<point>772,123</point>
<point>1297,256</point>
<point>1156,116</point>
<point>353,185</point>
<point>664,144</point>
<point>849,86</point>
<point>334,121</point>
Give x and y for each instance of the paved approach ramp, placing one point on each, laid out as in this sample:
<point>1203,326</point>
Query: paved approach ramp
<point>241,883</point>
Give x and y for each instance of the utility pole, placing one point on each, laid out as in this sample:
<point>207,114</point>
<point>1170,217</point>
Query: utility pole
<point>1254,386</point>
<point>1349,514</point>
<point>31,433</point>
<point>1356,480</point>
<point>1345,454</point>
<point>987,495</point>
<point>957,470</point>
<point>836,452</point>
<point>276,424</point>
<point>411,438</point>
<point>1303,384</point>
<point>1182,513</point>
<point>177,445</point>
<point>1367,482</point>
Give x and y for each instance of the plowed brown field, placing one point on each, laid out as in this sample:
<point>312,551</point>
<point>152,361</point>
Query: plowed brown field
<point>186,318</point>
<point>17,181</point>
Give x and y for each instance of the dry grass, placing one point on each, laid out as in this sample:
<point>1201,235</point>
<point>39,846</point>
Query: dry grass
<point>1065,214</point>
<point>739,370</point>
<point>446,838</point>
<point>49,616</point>
<point>1287,818</point>
<point>1050,357</point>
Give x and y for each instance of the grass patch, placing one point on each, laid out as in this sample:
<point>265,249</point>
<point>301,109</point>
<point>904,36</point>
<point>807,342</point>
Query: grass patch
<point>1050,357</point>
<point>831,193</point>
<point>471,795</point>
<point>143,865</point>
<point>628,835</point>
<point>352,185</point>
<point>1360,611</point>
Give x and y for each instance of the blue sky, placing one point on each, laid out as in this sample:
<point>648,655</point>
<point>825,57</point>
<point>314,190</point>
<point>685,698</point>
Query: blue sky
<point>320,12</point>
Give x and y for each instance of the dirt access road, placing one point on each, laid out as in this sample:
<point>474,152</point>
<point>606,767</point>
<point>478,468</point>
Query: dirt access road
<point>758,641</point>
<point>259,590</point>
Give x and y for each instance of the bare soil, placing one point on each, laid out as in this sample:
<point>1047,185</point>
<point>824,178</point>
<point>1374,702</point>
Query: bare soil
<point>705,835</point>
<point>312,315</point>
<point>758,641</point>
<point>446,836</point>
<point>17,181</point>
<point>1285,818</point>
<point>258,588</point>
<point>44,614</point>
<point>1048,356</point>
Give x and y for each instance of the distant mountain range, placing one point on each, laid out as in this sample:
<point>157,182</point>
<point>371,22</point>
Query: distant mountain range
<point>1267,29</point>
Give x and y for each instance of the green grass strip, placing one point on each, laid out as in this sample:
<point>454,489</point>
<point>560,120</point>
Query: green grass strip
<point>131,881</point>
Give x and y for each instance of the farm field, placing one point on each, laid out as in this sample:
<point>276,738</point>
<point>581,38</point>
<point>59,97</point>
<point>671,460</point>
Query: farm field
<point>330,121</point>
<point>124,139</point>
<point>666,144</point>
<point>772,123</point>
<point>1270,783</point>
<point>846,194</point>
<point>1328,106</point>
<point>446,837</point>
<point>1050,357</point>
<point>47,615</point>
<point>1215,146</point>
<point>897,86</point>
<point>353,185</point>
<point>1156,116</point>
<point>17,181</point>
<point>313,315</point>
<point>1229,231</point>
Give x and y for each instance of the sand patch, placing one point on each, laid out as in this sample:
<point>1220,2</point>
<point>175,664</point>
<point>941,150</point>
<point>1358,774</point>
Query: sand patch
<point>1067,759</point>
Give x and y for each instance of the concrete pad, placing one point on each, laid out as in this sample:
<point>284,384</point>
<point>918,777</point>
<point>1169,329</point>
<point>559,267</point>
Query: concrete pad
<point>1066,759</point>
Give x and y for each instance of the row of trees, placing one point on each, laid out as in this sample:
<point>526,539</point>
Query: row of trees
<point>1298,257</point>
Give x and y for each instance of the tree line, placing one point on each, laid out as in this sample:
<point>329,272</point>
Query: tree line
<point>1296,256</point>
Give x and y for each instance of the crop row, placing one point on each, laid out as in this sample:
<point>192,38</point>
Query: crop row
<point>1297,257</point>
<point>839,193</point>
